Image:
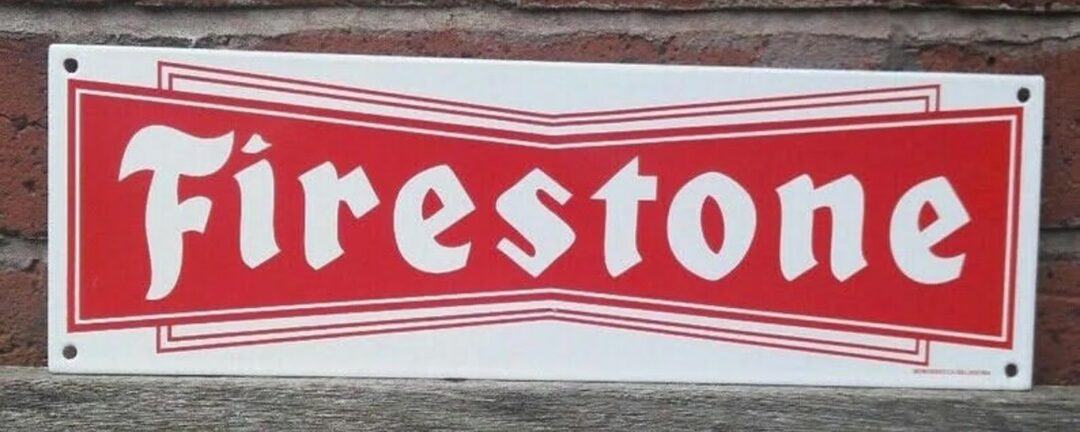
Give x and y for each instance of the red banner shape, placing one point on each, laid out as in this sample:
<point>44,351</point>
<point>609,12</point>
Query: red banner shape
<point>975,151</point>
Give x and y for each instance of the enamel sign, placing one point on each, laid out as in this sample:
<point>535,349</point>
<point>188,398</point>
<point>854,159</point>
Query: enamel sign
<point>220,212</point>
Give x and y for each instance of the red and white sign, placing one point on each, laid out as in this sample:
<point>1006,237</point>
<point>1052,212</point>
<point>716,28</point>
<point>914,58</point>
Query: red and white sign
<point>255,213</point>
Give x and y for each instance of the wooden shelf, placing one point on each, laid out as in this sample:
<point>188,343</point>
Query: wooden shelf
<point>32,399</point>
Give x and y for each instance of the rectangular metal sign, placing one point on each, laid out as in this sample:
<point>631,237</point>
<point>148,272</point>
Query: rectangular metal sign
<point>220,212</point>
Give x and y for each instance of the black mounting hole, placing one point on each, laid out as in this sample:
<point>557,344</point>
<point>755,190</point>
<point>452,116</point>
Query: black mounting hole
<point>1011,370</point>
<point>71,65</point>
<point>1023,94</point>
<point>70,352</point>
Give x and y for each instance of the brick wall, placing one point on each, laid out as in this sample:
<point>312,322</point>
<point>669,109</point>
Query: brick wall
<point>1000,36</point>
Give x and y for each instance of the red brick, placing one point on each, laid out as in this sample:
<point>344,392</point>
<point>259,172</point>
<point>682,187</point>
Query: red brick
<point>1059,278</point>
<point>695,48</point>
<point>22,78</point>
<point>1057,341</point>
<point>23,179</point>
<point>22,316</point>
<point>1057,351</point>
<point>22,136</point>
<point>689,48</point>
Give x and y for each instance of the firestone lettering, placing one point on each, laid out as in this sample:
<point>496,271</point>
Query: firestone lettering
<point>168,154</point>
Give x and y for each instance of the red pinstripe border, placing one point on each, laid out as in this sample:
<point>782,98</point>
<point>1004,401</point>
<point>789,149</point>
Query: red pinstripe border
<point>223,335</point>
<point>924,99</point>
<point>583,318</point>
<point>535,114</point>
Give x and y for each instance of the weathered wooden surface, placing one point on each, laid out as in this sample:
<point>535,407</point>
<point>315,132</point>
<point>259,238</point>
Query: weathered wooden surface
<point>31,399</point>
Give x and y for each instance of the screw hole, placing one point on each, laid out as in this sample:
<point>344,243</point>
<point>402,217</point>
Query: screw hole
<point>1023,94</point>
<point>1011,370</point>
<point>70,352</point>
<point>71,65</point>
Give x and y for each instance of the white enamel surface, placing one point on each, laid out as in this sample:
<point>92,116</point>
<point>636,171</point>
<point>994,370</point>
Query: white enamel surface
<point>543,349</point>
